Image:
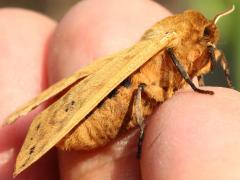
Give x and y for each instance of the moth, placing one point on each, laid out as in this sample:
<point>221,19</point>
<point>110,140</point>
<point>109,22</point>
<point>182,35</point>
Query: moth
<point>117,92</point>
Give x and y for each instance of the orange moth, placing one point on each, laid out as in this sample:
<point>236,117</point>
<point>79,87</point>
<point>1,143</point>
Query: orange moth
<point>117,92</point>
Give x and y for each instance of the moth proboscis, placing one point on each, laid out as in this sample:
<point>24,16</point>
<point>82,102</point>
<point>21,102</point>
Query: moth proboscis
<point>116,93</point>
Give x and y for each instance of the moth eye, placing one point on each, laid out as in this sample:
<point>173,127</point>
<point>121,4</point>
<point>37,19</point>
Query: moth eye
<point>207,32</point>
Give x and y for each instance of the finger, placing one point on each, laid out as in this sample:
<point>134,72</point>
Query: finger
<point>194,136</point>
<point>23,44</point>
<point>90,30</point>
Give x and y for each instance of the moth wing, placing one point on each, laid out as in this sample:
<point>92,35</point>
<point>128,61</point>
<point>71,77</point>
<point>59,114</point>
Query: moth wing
<point>58,87</point>
<point>52,124</point>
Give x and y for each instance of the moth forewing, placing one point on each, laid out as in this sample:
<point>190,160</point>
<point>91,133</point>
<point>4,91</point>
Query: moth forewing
<point>59,87</point>
<point>51,125</point>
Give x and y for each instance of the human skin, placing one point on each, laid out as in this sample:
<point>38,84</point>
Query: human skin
<point>190,136</point>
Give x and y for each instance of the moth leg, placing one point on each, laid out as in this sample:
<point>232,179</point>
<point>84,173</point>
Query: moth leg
<point>201,80</point>
<point>212,50</point>
<point>140,118</point>
<point>223,62</point>
<point>225,67</point>
<point>184,73</point>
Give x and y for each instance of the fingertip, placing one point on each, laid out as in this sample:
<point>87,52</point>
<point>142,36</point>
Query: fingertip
<point>194,136</point>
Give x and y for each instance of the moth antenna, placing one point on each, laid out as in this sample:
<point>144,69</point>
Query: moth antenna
<point>220,15</point>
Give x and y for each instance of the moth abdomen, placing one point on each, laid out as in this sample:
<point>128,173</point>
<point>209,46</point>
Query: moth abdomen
<point>101,125</point>
<point>116,112</point>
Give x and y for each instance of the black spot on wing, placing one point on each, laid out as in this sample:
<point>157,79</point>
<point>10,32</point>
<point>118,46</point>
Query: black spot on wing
<point>23,165</point>
<point>113,93</point>
<point>100,104</point>
<point>69,106</point>
<point>127,83</point>
<point>32,149</point>
<point>38,126</point>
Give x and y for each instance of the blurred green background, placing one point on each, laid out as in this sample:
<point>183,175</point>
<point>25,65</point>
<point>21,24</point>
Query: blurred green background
<point>229,26</point>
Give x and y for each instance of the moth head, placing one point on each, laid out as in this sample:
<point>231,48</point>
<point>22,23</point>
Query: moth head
<point>210,30</point>
<point>204,44</point>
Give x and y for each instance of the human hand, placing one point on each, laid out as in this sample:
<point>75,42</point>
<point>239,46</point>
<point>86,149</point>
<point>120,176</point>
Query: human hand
<point>191,136</point>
